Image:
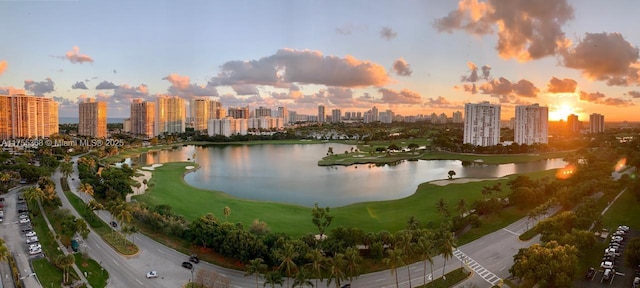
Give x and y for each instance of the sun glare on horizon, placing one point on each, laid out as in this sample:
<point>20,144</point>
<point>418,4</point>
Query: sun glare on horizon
<point>561,112</point>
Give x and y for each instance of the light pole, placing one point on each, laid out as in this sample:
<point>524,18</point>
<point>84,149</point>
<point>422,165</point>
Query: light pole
<point>192,277</point>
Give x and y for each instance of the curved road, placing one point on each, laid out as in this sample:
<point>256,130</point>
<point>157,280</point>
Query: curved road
<point>490,257</point>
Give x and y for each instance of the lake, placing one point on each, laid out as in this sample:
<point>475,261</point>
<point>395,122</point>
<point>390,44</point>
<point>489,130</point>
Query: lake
<point>289,173</point>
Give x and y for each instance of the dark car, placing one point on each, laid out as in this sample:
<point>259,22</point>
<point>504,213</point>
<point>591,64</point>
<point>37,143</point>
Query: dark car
<point>346,286</point>
<point>113,224</point>
<point>590,273</point>
<point>187,265</point>
<point>194,258</point>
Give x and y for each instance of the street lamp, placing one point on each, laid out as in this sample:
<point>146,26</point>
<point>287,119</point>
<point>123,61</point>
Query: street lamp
<point>192,277</point>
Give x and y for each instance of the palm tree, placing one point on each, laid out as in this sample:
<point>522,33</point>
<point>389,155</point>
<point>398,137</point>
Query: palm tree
<point>442,208</point>
<point>406,245</point>
<point>317,263</point>
<point>33,193</point>
<point>462,207</point>
<point>255,267</point>
<point>352,263</point>
<point>301,279</point>
<point>86,188</point>
<point>227,212</point>
<point>5,177</point>
<point>272,278</point>
<point>66,168</point>
<point>64,262</point>
<point>4,251</point>
<point>424,248</point>
<point>448,244</point>
<point>131,230</point>
<point>394,260</point>
<point>336,269</point>
<point>285,255</point>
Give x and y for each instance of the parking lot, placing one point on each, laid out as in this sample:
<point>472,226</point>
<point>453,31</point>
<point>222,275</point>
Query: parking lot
<point>618,275</point>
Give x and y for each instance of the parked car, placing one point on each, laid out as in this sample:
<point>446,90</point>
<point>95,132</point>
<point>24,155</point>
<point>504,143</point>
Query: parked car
<point>607,274</point>
<point>113,224</point>
<point>33,239</point>
<point>606,264</point>
<point>187,265</point>
<point>35,251</point>
<point>23,216</point>
<point>617,238</point>
<point>194,258</point>
<point>623,227</point>
<point>26,227</point>
<point>30,234</point>
<point>35,246</point>
<point>152,274</point>
<point>25,220</point>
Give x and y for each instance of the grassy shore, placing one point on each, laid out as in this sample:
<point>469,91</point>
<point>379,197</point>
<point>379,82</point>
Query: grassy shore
<point>168,187</point>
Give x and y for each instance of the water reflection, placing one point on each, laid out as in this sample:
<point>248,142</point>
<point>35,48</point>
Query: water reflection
<point>289,173</point>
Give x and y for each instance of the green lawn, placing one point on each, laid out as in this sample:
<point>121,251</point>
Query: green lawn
<point>96,275</point>
<point>169,188</point>
<point>452,278</point>
<point>49,275</point>
<point>623,212</point>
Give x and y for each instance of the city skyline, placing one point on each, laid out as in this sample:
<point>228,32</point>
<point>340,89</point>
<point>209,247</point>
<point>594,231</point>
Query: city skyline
<point>411,57</point>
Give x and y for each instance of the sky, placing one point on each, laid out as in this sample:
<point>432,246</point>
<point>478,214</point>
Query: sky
<point>413,57</point>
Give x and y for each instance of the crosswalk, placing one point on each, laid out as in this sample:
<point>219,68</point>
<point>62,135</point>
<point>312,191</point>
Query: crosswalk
<point>481,271</point>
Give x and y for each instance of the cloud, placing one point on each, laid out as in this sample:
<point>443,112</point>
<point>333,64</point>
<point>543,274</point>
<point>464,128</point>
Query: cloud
<point>79,85</point>
<point>115,71</point>
<point>504,87</point>
<point>440,102</point>
<point>387,34</point>
<point>290,66</point>
<point>75,57</point>
<point>473,75</point>
<point>405,96</point>
<point>526,29</point>
<point>106,85</point>
<point>634,94</point>
<point>245,89</point>
<point>3,66</point>
<point>470,88</point>
<point>600,98</point>
<point>565,85</point>
<point>39,88</point>
<point>605,57</point>
<point>181,86</point>
<point>349,28</point>
<point>401,67</point>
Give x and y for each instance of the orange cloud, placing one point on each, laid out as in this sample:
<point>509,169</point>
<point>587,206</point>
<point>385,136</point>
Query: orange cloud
<point>181,82</point>
<point>75,57</point>
<point>566,85</point>
<point>3,66</point>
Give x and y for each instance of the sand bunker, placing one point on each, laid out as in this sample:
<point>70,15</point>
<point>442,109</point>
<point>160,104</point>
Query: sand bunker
<point>445,182</point>
<point>152,167</point>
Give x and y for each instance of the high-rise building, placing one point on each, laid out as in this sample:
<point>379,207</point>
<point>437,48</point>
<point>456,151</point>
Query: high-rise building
<point>375,114</point>
<point>596,123</point>
<point>142,118</point>
<point>481,124</point>
<point>199,113</point>
<point>386,116</point>
<point>92,118</point>
<point>215,110</point>
<point>283,113</point>
<point>321,114</point>
<point>171,115</point>
<point>457,117</point>
<point>262,112</point>
<point>25,116</point>
<point>573,123</point>
<point>336,115</point>
<point>227,126</point>
<point>531,124</point>
<point>238,112</point>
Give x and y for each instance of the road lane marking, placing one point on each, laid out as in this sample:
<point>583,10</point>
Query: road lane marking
<point>514,233</point>
<point>481,271</point>
<point>139,282</point>
<point>381,279</point>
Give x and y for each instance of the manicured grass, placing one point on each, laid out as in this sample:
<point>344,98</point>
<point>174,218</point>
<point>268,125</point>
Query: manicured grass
<point>169,188</point>
<point>45,238</point>
<point>452,278</point>
<point>96,276</point>
<point>623,212</point>
<point>491,224</point>
<point>48,274</point>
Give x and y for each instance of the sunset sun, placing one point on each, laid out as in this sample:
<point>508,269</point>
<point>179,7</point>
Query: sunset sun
<point>561,112</point>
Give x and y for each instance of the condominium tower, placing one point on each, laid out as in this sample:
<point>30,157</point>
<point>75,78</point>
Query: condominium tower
<point>531,124</point>
<point>92,118</point>
<point>596,123</point>
<point>142,118</point>
<point>170,115</point>
<point>321,114</point>
<point>481,124</point>
<point>25,116</point>
<point>573,123</point>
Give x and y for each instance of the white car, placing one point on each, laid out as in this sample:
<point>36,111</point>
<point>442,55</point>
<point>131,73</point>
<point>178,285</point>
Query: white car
<point>36,246</point>
<point>23,216</point>
<point>33,239</point>
<point>35,251</point>
<point>152,274</point>
<point>25,220</point>
<point>606,265</point>
<point>623,227</point>
<point>30,234</point>
<point>616,238</point>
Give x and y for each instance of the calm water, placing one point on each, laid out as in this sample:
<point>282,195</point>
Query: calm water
<point>289,173</point>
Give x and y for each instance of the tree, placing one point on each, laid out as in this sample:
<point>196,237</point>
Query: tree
<point>394,260</point>
<point>301,279</point>
<point>443,210</point>
<point>404,242</point>
<point>335,266</point>
<point>4,251</point>
<point>321,218</point>
<point>632,252</point>
<point>272,278</point>
<point>66,168</point>
<point>551,265</point>
<point>462,207</point>
<point>352,263</point>
<point>448,243</point>
<point>286,256</point>
<point>317,262</point>
<point>33,193</point>
<point>451,174</point>
<point>86,188</point>
<point>424,248</point>
<point>64,262</point>
<point>227,212</point>
<point>130,230</point>
<point>255,267</point>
